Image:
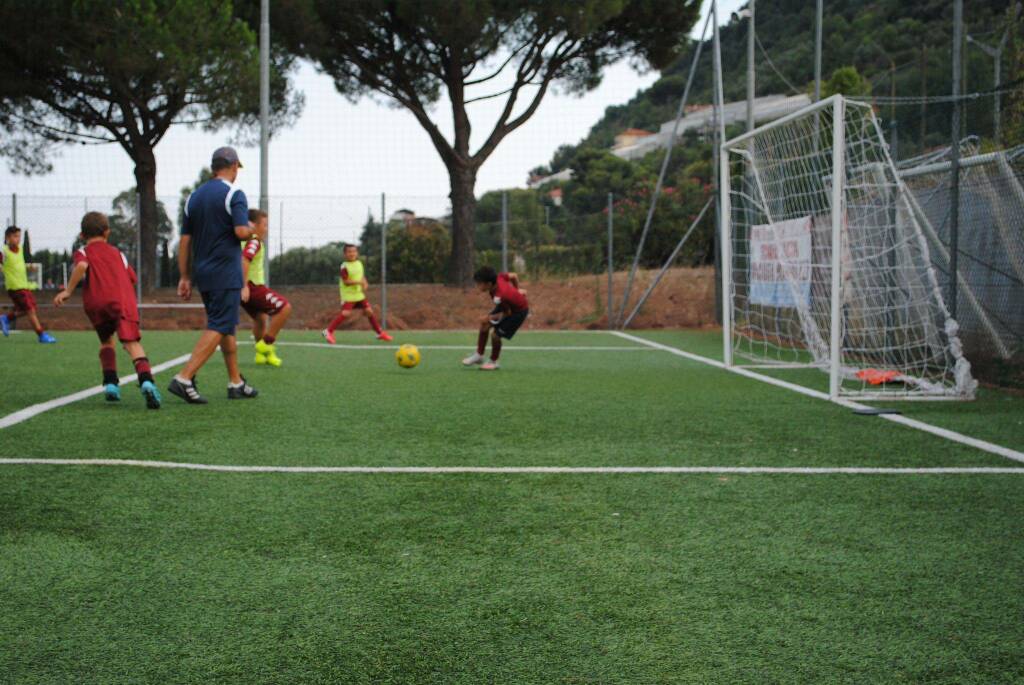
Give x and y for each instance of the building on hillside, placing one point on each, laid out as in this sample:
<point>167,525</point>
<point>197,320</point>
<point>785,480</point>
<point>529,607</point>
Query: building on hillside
<point>630,137</point>
<point>404,215</point>
<point>534,182</point>
<point>701,119</point>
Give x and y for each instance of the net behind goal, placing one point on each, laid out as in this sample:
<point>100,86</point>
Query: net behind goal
<point>851,292</point>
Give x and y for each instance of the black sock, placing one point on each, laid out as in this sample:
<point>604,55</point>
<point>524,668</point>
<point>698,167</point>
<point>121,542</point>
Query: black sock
<point>110,377</point>
<point>145,376</point>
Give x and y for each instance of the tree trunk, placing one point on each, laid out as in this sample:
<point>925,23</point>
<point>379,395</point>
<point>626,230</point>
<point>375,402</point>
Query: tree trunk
<point>460,264</point>
<point>145,184</point>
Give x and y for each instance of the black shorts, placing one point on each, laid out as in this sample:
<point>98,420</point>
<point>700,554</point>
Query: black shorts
<point>508,325</point>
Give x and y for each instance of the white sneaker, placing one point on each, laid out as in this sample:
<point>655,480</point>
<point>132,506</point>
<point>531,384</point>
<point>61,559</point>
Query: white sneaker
<point>473,359</point>
<point>490,366</point>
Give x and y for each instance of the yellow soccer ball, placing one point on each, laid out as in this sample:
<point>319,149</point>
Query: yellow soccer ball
<point>408,356</point>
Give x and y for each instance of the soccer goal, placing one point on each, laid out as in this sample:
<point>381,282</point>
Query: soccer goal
<point>852,292</point>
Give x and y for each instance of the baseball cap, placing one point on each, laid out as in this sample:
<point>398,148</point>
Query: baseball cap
<point>228,154</point>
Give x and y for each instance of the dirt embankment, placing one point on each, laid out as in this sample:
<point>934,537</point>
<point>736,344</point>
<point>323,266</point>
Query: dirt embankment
<point>683,299</point>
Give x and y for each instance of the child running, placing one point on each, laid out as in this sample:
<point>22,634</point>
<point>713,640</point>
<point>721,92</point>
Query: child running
<point>509,313</point>
<point>353,285</point>
<point>109,301</point>
<point>19,289</point>
<point>259,301</point>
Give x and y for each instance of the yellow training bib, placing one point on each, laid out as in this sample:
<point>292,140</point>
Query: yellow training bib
<point>352,293</point>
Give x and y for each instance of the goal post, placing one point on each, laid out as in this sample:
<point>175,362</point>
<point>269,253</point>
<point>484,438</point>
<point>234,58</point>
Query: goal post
<point>825,264</point>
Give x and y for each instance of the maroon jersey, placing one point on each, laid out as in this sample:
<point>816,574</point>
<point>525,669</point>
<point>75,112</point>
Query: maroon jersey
<point>109,282</point>
<point>507,295</point>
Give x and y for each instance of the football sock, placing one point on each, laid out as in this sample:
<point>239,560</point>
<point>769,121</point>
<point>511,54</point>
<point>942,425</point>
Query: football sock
<point>142,369</point>
<point>481,342</point>
<point>108,362</point>
<point>495,349</point>
<point>373,322</point>
<point>182,380</point>
<point>338,320</point>
<point>269,339</point>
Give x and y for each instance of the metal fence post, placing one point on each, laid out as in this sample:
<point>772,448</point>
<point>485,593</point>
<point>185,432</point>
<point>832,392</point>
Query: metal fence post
<point>383,263</point>
<point>504,231</point>
<point>611,265</point>
<point>14,209</point>
<point>64,272</point>
<point>265,122</point>
<point>954,158</point>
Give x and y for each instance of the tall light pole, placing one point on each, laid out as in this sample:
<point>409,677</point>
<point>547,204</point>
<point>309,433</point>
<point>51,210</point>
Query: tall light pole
<point>954,157</point>
<point>750,64</point>
<point>265,117</point>
<point>817,50</point>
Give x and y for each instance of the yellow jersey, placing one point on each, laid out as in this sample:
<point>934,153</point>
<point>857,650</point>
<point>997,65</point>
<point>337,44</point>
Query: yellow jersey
<point>353,271</point>
<point>15,274</point>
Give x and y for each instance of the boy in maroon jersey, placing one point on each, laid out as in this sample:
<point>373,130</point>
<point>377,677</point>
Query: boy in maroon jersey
<point>509,313</point>
<point>109,301</point>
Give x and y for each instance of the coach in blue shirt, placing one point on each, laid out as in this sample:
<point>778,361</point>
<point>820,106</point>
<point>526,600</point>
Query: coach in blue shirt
<point>210,258</point>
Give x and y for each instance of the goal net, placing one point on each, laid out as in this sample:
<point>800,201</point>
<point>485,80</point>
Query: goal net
<point>850,291</point>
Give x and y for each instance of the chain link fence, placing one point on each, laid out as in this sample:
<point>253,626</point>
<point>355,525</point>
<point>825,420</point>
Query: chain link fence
<point>990,293</point>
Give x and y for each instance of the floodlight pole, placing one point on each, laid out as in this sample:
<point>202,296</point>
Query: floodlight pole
<point>383,263</point>
<point>954,158</point>
<point>724,221</point>
<point>817,50</point>
<point>265,122</point>
<point>750,67</point>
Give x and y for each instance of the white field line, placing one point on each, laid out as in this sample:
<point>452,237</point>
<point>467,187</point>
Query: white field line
<point>895,418</point>
<point>37,409</point>
<point>684,470</point>
<point>509,347</point>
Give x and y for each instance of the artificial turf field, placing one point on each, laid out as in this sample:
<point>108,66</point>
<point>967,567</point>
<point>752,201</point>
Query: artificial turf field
<point>121,574</point>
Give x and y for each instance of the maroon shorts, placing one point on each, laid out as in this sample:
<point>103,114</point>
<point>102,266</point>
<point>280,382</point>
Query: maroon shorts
<point>108,321</point>
<point>263,300</point>
<point>23,300</point>
<point>349,306</point>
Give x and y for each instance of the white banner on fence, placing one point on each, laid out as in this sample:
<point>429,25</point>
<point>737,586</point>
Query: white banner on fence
<point>780,263</point>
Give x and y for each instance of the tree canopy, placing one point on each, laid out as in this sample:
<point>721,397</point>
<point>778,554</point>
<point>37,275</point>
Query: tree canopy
<point>98,72</point>
<point>415,53</point>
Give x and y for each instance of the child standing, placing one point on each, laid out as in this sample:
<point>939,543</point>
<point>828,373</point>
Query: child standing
<point>509,313</point>
<point>352,285</point>
<point>259,301</point>
<point>19,289</point>
<point>109,301</point>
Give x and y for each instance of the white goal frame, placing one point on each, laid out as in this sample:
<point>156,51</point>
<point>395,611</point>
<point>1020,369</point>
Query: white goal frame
<point>836,179</point>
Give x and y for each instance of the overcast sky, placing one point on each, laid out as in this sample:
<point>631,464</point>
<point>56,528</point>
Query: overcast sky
<point>331,167</point>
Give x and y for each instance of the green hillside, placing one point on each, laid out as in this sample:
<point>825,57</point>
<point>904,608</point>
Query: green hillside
<point>866,34</point>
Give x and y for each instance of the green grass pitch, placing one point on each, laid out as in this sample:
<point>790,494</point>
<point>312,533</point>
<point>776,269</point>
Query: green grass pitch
<point>124,575</point>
